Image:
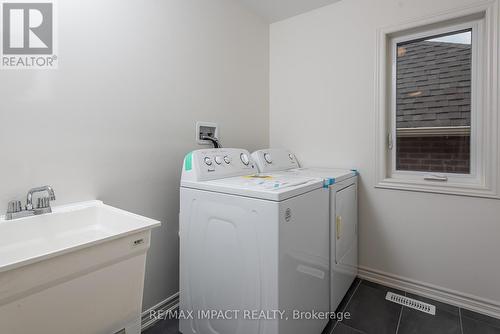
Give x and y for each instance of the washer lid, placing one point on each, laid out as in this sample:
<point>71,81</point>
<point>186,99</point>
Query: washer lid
<point>274,187</point>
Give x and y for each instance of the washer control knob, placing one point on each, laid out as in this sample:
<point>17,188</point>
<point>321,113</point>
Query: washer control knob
<point>291,156</point>
<point>244,159</point>
<point>268,159</point>
<point>227,160</point>
<point>208,161</point>
<point>218,160</point>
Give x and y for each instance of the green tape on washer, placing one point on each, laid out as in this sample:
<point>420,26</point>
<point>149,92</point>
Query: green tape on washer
<point>188,162</point>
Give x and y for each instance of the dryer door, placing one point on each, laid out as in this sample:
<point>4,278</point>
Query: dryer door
<point>345,224</point>
<point>344,242</point>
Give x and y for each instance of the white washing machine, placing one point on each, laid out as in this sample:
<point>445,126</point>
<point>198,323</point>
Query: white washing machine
<point>251,245</point>
<point>341,189</point>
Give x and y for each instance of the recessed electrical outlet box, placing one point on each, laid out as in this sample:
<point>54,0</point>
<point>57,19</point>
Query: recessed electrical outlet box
<point>206,129</point>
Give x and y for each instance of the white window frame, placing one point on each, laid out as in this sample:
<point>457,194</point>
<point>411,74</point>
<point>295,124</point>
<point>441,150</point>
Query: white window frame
<point>484,176</point>
<point>475,154</point>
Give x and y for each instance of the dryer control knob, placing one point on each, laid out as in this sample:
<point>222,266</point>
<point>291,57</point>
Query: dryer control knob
<point>244,159</point>
<point>218,160</point>
<point>227,160</point>
<point>208,161</point>
<point>268,159</point>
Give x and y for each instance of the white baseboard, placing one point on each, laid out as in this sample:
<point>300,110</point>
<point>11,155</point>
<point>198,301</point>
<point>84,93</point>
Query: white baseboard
<point>169,304</point>
<point>452,297</point>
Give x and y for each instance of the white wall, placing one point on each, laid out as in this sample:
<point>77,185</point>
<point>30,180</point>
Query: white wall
<point>116,119</point>
<point>322,107</point>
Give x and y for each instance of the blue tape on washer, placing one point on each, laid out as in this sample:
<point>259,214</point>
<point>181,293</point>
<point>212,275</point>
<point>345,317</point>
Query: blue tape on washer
<point>328,182</point>
<point>355,171</point>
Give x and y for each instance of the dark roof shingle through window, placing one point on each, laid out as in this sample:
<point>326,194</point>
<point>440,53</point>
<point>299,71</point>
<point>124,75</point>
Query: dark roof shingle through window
<point>433,84</point>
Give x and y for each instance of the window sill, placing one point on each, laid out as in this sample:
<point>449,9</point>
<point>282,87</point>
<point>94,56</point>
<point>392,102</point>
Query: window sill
<point>438,188</point>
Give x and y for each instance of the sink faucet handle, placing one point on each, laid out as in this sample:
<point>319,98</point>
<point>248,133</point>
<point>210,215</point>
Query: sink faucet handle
<point>11,207</point>
<point>14,206</point>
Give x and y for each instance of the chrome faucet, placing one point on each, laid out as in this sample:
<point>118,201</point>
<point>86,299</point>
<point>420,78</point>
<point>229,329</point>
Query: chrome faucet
<point>15,209</point>
<point>29,197</point>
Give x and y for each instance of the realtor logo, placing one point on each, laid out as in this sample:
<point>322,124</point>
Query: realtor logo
<point>28,35</point>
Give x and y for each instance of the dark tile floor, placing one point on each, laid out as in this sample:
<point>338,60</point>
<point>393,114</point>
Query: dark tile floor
<point>370,313</point>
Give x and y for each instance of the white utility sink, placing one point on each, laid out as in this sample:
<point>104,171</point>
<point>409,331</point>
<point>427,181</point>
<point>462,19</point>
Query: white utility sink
<point>79,269</point>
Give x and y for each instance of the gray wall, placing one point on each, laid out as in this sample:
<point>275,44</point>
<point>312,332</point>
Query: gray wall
<point>117,117</point>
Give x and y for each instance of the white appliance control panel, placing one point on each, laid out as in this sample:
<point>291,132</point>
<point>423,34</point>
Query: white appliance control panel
<point>212,164</point>
<point>272,160</point>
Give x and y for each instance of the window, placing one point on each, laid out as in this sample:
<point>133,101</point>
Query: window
<point>433,104</point>
<point>437,110</point>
